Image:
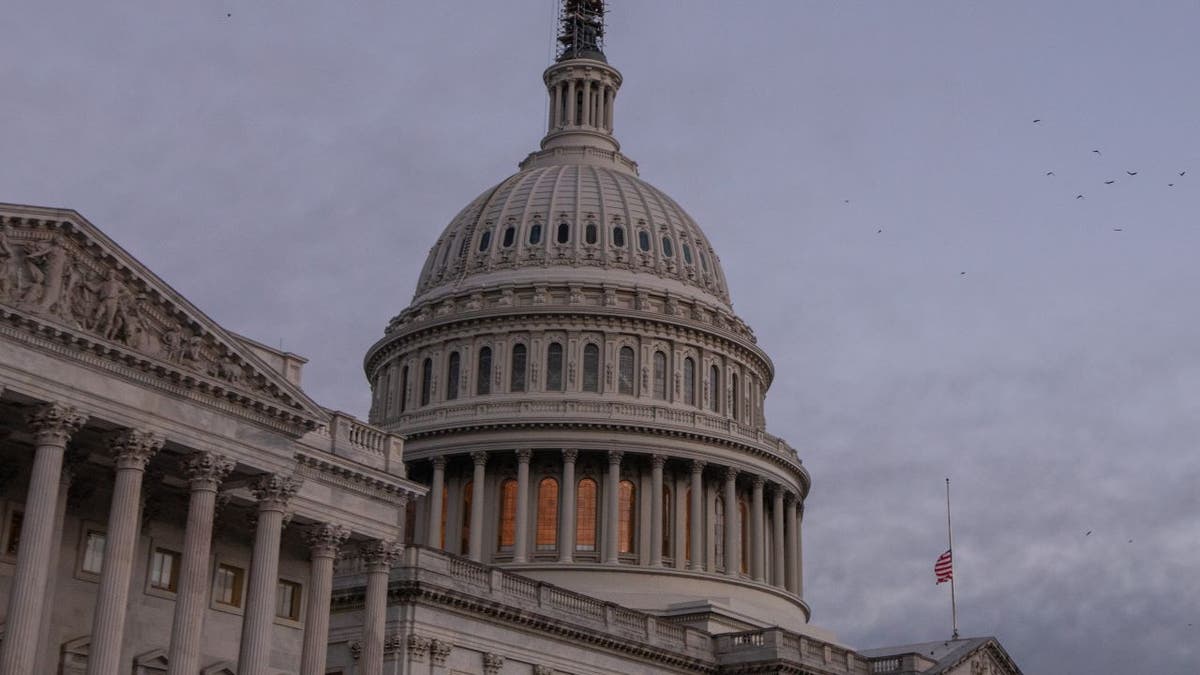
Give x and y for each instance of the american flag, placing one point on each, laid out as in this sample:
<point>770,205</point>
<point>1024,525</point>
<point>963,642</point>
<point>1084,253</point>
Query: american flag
<point>943,569</point>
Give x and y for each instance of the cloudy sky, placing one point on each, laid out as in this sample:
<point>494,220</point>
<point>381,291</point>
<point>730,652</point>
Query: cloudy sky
<point>873,178</point>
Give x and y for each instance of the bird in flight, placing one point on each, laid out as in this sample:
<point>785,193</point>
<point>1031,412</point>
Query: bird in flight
<point>1119,229</point>
<point>845,201</point>
<point>1096,151</point>
<point>1182,172</point>
<point>1078,196</point>
<point>1088,533</point>
<point>879,231</point>
<point>1037,121</point>
<point>1109,182</point>
<point>1049,173</point>
<point>1131,173</point>
<point>961,274</point>
<point>1170,185</point>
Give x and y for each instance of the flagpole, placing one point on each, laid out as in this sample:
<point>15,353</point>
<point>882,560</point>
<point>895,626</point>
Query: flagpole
<point>950,538</point>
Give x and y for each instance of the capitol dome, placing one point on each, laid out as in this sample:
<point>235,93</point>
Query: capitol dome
<point>574,387</point>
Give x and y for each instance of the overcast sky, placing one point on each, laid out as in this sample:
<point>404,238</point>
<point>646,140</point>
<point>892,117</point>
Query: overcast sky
<point>870,173</point>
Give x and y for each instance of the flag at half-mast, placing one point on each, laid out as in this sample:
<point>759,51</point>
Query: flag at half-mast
<point>943,569</point>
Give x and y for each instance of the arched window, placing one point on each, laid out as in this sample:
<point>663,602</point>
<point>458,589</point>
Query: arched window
<point>554,367</point>
<point>689,381</point>
<point>625,368</point>
<point>508,515</point>
<point>535,233</point>
<point>517,375</point>
<point>618,236</point>
<point>668,248</point>
<point>510,236</point>
<point>714,389</point>
<point>666,521</point>
<point>687,525</point>
<point>403,388</point>
<point>485,240</point>
<point>719,532</point>
<point>452,369</point>
<point>585,515</point>
<point>744,531</point>
<point>660,376</point>
<point>483,372</point>
<point>737,396</point>
<point>591,367</point>
<point>465,538</point>
<point>564,233</point>
<point>426,381</point>
<point>627,517</point>
<point>687,254</point>
<point>590,235</point>
<point>546,538</point>
<point>644,240</point>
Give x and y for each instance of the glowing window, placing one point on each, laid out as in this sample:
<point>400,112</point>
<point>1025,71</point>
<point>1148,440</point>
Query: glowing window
<point>546,538</point>
<point>467,495</point>
<point>516,381</point>
<point>454,363</point>
<point>666,521</point>
<point>591,368</point>
<point>744,521</point>
<point>719,532</point>
<point>687,525</point>
<point>508,514</point>
<point>627,517</point>
<point>483,375</point>
<point>585,515</point>
<point>228,585</point>
<point>164,570</point>
<point>625,368</point>
<point>554,367</point>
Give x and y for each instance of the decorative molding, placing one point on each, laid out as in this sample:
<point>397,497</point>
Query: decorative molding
<point>55,423</point>
<point>492,663</point>
<point>439,651</point>
<point>274,490</point>
<point>325,539</point>
<point>378,555</point>
<point>133,448</point>
<point>322,470</point>
<point>417,646</point>
<point>206,470</point>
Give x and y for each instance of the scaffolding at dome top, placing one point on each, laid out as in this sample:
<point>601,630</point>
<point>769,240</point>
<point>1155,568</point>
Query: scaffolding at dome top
<point>581,29</point>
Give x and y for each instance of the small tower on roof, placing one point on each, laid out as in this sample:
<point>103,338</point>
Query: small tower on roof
<point>581,30</point>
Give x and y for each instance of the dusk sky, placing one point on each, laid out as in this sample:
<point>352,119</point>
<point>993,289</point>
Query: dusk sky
<point>874,180</point>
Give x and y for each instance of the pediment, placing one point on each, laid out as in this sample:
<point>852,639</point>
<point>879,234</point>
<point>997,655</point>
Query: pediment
<point>222,668</point>
<point>62,279</point>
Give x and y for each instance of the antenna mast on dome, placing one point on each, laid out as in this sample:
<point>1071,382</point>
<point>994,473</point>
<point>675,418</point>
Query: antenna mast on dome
<point>581,30</point>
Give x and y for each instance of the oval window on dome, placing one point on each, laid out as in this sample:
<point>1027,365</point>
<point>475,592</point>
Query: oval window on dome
<point>535,233</point>
<point>589,233</point>
<point>485,240</point>
<point>668,248</point>
<point>687,254</point>
<point>644,240</point>
<point>564,233</point>
<point>510,236</point>
<point>703,261</point>
<point>618,236</point>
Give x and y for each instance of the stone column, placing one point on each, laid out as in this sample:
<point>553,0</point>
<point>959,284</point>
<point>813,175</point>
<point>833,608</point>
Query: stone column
<point>132,450</point>
<point>779,575</point>
<point>436,495</point>
<point>613,514</point>
<point>697,507</point>
<point>521,545</point>
<point>324,543</point>
<point>656,509</point>
<point>476,544</point>
<point>52,425</point>
<point>609,93</point>
<point>733,548</point>
<point>273,492</point>
<point>798,555</point>
<point>570,102</point>
<point>566,526</point>
<point>48,644</point>
<point>757,531</point>
<point>587,104</point>
<point>378,555</point>
<point>793,533</point>
<point>205,471</point>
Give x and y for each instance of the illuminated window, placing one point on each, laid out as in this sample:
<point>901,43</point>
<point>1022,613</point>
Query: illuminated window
<point>554,367</point>
<point>660,376</point>
<point>627,517</point>
<point>744,521</point>
<point>585,515</point>
<point>426,381</point>
<point>625,368</point>
<point>687,525</point>
<point>689,381</point>
<point>508,515</point>
<point>666,521</point>
<point>452,376</point>
<point>591,368</point>
<point>287,600</point>
<point>93,552</point>
<point>517,376</point>
<point>719,532</point>
<point>228,585</point>
<point>483,375</point>
<point>714,389</point>
<point>465,540</point>
<point>164,570</point>
<point>547,515</point>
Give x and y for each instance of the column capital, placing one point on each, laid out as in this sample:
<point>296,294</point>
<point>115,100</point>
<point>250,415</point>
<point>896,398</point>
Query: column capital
<point>492,663</point>
<point>438,462</point>
<point>274,490</point>
<point>439,651</point>
<point>55,423</point>
<point>698,466</point>
<point>758,482</point>
<point>380,554</point>
<point>658,461</point>
<point>206,470</point>
<point>133,448</point>
<point>325,540</point>
<point>570,455</point>
<point>480,457</point>
<point>524,455</point>
<point>417,646</point>
<point>779,490</point>
<point>790,496</point>
<point>731,474</point>
<point>614,456</point>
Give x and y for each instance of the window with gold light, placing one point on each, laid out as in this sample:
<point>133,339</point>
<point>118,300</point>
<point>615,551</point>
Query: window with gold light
<point>546,537</point>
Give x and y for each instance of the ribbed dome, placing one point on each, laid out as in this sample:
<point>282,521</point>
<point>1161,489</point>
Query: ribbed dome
<point>574,221</point>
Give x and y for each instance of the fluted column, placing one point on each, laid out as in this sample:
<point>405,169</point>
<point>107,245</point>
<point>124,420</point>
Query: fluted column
<point>378,556</point>
<point>132,450</point>
<point>697,508</point>
<point>757,530</point>
<point>733,552</point>
<point>47,653</point>
<point>656,509</point>
<point>587,103</point>
<point>324,543</point>
<point>521,545</point>
<point>798,555</point>
<point>436,495</point>
<point>793,534</point>
<point>614,504</point>
<point>566,526</point>
<point>779,574</point>
<point>609,93</point>
<point>273,492</point>
<point>570,102</point>
<point>205,471</point>
<point>52,425</point>
<point>476,544</point>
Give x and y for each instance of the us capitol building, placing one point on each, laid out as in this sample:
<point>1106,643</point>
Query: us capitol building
<point>566,466</point>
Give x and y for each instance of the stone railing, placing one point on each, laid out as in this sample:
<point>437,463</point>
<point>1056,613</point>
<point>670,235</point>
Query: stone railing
<point>773,644</point>
<point>350,437</point>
